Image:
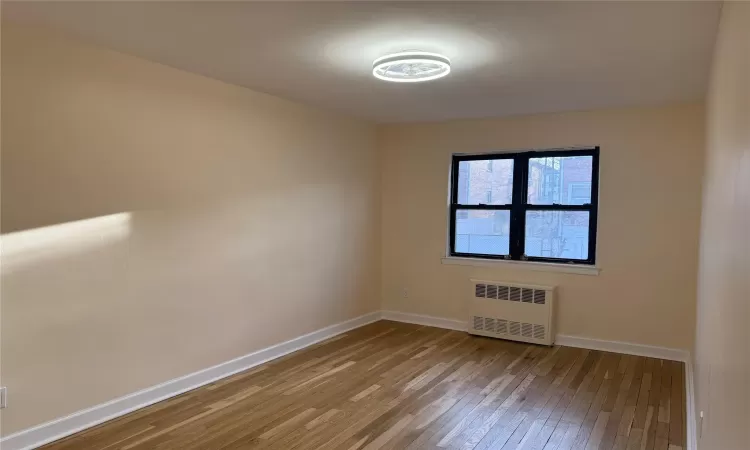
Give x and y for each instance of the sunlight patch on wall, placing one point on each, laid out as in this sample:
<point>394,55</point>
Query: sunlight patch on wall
<point>22,248</point>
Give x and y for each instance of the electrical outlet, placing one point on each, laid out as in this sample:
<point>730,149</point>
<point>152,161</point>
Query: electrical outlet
<point>405,293</point>
<point>3,397</point>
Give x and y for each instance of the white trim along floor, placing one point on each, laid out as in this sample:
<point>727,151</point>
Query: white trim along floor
<point>56,429</point>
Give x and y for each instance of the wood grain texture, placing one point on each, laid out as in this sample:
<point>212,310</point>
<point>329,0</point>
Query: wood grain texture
<point>392,385</point>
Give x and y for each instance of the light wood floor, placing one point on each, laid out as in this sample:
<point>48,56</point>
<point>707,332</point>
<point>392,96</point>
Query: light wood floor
<point>398,386</point>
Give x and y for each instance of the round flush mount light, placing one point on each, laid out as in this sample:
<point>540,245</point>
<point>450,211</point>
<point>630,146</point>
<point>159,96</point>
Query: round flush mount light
<point>411,67</point>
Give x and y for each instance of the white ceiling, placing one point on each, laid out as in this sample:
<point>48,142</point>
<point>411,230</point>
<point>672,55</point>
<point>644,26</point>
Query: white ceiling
<point>508,57</point>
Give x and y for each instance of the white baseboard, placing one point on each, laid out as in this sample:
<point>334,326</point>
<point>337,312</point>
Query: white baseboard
<point>628,348</point>
<point>439,322</point>
<point>73,423</point>
<point>692,423</point>
<point>561,339</point>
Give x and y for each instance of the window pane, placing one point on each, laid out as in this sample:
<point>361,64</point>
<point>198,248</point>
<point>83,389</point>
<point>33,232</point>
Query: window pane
<point>489,182</point>
<point>565,180</point>
<point>484,232</point>
<point>557,234</point>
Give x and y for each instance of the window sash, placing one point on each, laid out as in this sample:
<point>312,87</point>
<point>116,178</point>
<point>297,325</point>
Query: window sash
<point>520,206</point>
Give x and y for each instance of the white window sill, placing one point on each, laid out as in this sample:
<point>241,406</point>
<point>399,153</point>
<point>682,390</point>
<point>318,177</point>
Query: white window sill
<point>578,269</point>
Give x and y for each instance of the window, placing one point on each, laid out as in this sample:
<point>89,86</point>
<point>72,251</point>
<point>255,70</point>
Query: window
<point>535,206</point>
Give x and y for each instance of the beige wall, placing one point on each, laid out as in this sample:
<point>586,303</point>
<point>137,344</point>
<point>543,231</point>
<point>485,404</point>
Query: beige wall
<point>651,166</point>
<point>723,335</point>
<point>250,220</point>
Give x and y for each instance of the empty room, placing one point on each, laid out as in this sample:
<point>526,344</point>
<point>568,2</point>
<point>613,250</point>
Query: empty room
<point>356,225</point>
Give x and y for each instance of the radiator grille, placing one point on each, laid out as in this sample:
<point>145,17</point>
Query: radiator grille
<point>540,297</point>
<point>502,327</point>
<point>510,293</point>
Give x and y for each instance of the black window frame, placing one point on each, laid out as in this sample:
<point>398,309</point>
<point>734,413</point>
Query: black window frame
<point>520,205</point>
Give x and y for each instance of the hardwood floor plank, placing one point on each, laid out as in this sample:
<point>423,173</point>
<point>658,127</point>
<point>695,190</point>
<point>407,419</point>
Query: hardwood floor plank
<point>556,438</point>
<point>610,433</point>
<point>597,433</point>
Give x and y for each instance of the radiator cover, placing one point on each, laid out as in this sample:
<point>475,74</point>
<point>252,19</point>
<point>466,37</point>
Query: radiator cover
<point>519,312</point>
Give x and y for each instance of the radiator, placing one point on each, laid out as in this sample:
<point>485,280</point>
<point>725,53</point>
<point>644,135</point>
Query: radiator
<point>519,312</point>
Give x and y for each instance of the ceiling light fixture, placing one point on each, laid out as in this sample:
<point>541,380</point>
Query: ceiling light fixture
<point>411,67</point>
